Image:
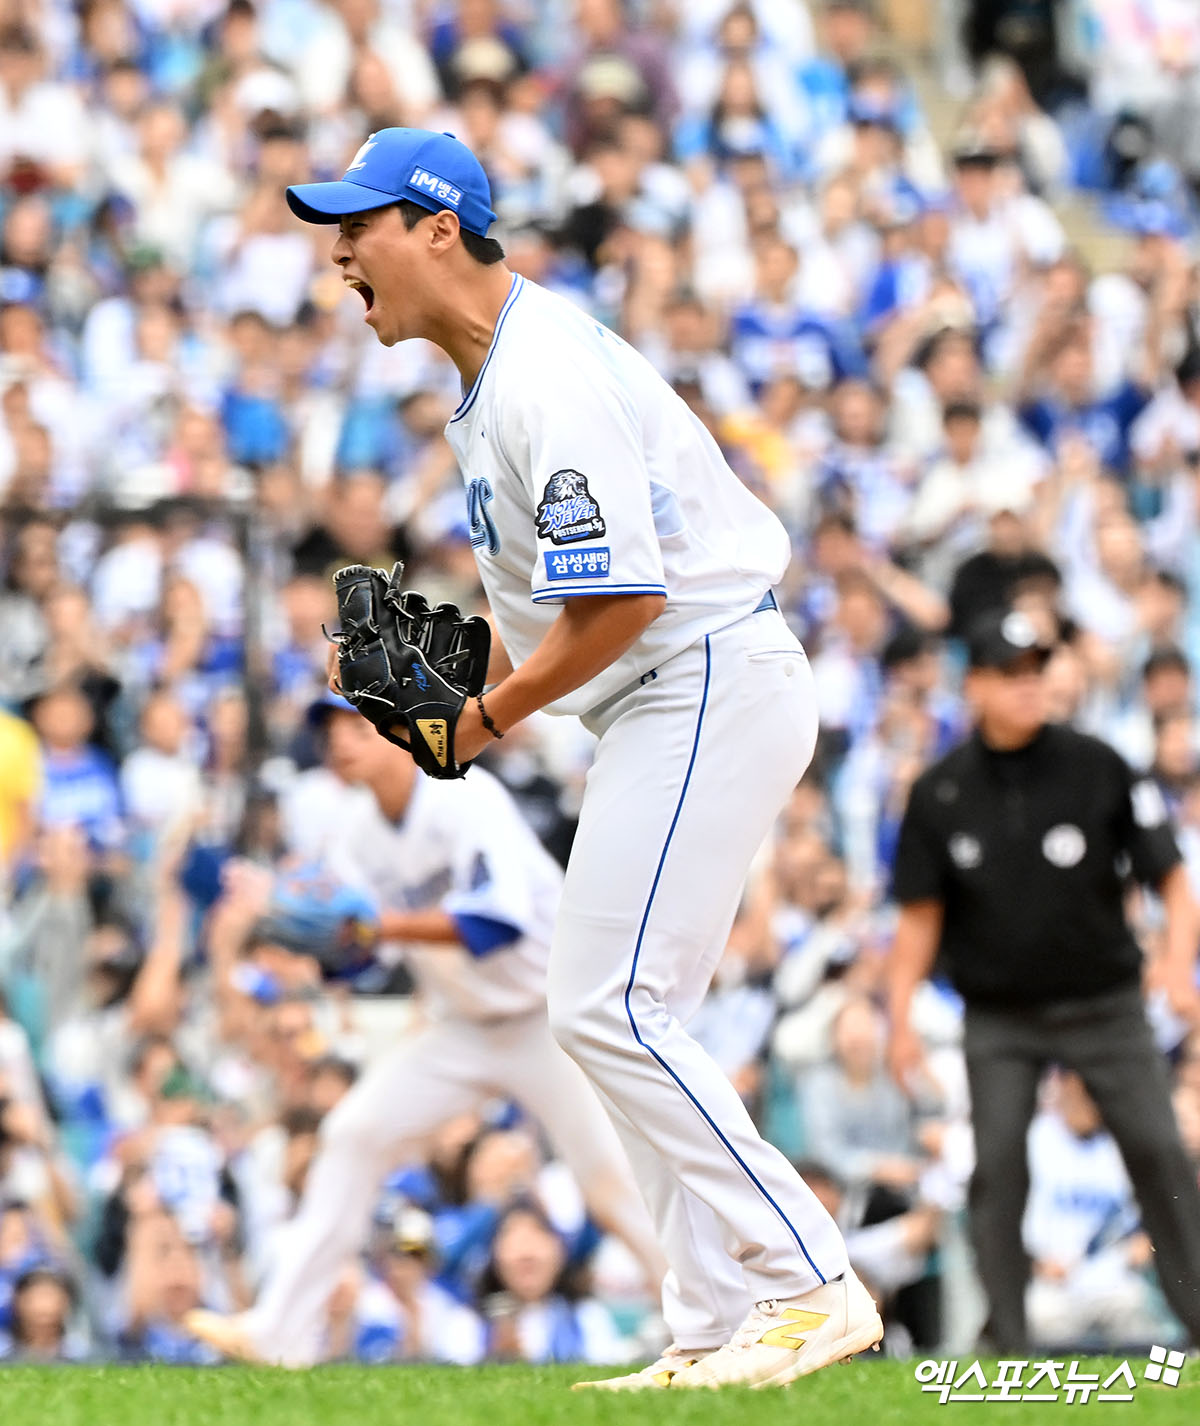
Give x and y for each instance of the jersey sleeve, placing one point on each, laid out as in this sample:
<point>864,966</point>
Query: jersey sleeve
<point>919,873</point>
<point>1144,826</point>
<point>575,440</point>
<point>490,900</point>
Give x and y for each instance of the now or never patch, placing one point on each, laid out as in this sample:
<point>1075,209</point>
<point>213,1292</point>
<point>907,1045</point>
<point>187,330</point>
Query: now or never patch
<point>567,512</point>
<point>433,730</point>
<point>1149,805</point>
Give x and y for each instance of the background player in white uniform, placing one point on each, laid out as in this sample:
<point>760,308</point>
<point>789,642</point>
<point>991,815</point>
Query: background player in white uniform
<point>459,874</point>
<point>628,572</point>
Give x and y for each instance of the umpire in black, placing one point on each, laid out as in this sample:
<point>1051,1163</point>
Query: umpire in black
<point>1013,861</point>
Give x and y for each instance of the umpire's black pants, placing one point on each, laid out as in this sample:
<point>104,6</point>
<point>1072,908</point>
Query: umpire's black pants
<point>1107,1039</point>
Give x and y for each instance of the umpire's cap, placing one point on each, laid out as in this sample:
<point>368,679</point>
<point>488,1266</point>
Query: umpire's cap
<point>1000,639</point>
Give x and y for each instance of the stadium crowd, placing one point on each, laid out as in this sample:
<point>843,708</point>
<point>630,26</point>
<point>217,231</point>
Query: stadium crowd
<point>895,345</point>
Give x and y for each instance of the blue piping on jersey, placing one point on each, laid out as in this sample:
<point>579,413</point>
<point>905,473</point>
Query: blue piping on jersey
<point>469,399</point>
<point>544,596</point>
<point>637,950</point>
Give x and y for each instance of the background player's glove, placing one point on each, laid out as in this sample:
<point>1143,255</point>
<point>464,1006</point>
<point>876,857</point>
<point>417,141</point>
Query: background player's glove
<point>399,661</point>
<point>315,915</point>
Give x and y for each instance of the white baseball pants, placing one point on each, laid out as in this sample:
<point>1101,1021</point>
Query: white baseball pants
<point>390,1115</point>
<point>691,770</point>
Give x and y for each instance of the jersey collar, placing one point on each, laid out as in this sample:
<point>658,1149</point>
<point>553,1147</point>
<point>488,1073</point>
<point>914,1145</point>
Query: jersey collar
<point>468,400</point>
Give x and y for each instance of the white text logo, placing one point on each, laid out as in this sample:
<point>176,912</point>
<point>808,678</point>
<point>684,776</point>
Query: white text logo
<point>438,187</point>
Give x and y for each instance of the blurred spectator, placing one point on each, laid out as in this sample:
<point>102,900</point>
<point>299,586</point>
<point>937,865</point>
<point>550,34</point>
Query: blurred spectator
<point>854,1113</point>
<point>613,71</point>
<point>889,1243</point>
<point>160,785</point>
<point>1089,1289</point>
<point>401,1313</point>
<point>534,1312</point>
<point>20,787</point>
<point>163,1284</point>
<point>173,191</point>
<point>1008,567</point>
<point>80,782</point>
<point>40,1312</point>
<point>42,123</point>
<point>772,336</point>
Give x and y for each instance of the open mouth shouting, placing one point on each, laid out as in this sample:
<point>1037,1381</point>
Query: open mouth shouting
<point>363,288</point>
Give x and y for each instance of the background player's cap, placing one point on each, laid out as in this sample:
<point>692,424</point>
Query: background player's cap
<point>999,640</point>
<point>318,711</point>
<point>433,170</point>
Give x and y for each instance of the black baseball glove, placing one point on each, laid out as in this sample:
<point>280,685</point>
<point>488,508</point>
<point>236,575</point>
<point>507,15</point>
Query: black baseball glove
<point>401,662</point>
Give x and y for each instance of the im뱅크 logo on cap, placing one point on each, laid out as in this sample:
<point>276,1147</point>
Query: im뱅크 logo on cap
<point>439,188</point>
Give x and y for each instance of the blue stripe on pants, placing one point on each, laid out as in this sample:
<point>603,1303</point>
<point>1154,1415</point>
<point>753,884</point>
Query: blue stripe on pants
<point>637,950</point>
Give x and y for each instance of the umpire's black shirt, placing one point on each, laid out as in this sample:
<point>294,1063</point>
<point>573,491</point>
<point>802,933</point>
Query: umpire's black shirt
<point>1028,851</point>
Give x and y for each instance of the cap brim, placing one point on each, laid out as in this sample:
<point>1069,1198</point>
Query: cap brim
<point>1000,661</point>
<point>318,712</point>
<point>327,202</point>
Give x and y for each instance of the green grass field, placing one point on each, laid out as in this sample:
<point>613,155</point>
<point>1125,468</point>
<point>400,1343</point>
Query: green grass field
<point>862,1394</point>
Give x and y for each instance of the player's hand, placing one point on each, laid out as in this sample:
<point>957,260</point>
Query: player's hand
<point>331,670</point>
<point>905,1055</point>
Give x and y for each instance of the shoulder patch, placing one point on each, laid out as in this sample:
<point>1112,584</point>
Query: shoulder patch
<point>1149,807</point>
<point>567,512</point>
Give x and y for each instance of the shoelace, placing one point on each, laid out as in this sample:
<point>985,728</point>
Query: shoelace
<point>750,1331</point>
<point>672,1359</point>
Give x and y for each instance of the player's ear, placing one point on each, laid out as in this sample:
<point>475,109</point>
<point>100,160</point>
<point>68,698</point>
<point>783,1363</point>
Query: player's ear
<point>443,231</point>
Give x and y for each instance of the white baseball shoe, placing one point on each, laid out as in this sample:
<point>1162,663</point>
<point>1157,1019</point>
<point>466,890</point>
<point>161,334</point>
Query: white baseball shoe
<point>656,1377</point>
<point>227,1335</point>
<point>780,1341</point>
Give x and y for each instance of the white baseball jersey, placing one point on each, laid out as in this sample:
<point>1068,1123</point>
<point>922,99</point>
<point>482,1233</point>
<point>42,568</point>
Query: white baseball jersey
<point>462,846</point>
<point>1080,1197</point>
<point>587,475</point>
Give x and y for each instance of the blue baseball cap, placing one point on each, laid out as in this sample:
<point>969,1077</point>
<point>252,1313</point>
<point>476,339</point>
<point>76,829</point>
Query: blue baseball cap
<point>873,109</point>
<point>434,170</point>
<point>1147,217</point>
<point>317,712</point>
